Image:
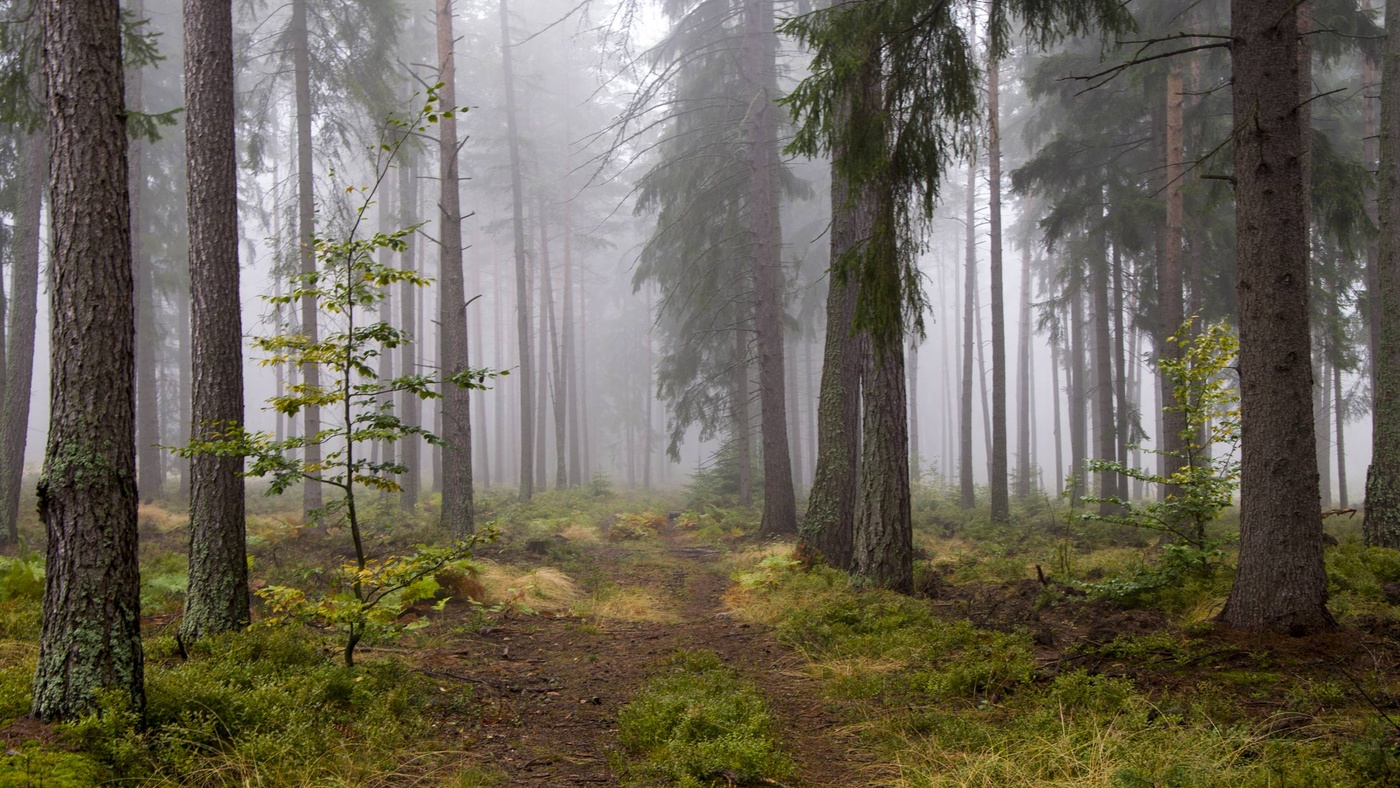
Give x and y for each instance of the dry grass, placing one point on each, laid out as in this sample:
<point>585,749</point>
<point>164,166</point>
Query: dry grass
<point>630,604</point>
<point>582,534</point>
<point>542,590</point>
<point>162,521</point>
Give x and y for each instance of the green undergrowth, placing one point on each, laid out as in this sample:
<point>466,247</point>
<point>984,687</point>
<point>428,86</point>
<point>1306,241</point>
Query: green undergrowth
<point>263,707</point>
<point>699,724</point>
<point>951,704</point>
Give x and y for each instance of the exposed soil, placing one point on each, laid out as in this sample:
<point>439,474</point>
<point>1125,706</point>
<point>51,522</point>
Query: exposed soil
<point>547,690</point>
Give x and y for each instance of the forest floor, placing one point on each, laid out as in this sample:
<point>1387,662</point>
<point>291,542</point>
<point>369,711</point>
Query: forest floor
<point>550,688</point>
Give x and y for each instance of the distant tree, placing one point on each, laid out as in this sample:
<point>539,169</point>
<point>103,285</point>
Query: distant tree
<point>218,564</point>
<point>522,290</point>
<point>91,634</point>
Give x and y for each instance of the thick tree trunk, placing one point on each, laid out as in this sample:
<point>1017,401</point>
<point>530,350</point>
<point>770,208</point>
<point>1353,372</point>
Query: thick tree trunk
<point>967,489</point>
<point>410,406</point>
<point>1000,494</point>
<point>91,634</point>
<point>522,291</point>
<point>1381,527</point>
<point>758,56</point>
<point>458,506</point>
<point>306,230</point>
<point>829,526</point>
<point>1280,585</point>
<point>883,552</point>
<point>217,600</point>
<point>19,334</point>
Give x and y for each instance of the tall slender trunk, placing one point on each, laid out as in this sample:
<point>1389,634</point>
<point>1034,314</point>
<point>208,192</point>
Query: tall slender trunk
<point>584,423</point>
<point>410,406</point>
<point>1280,584</point>
<point>1120,361</point>
<point>913,390</point>
<point>542,390</point>
<point>522,306</point>
<point>482,455</point>
<point>1340,411</point>
<point>217,600</point>
<point>383,451</point>
<point>758,56</point>
<point>1103,369</point>
<point>150,468</point>
<point>968,490</point>
<point>648,439</point>
<point>1024,452</point>
<point>1078,400</point>
<point>501,395</point>
<point>561,466</point>
<point>1322,420</point>
<point>571,382</point>
<point>458,509</point>
<point>1371,139</point>
<point>306,230</point>
<point>739,397</point>
<point>1169,273</point>
<point>1001,499</point>
<point>1057,433</point>
<point>20,331</point>
<point>980,345</point>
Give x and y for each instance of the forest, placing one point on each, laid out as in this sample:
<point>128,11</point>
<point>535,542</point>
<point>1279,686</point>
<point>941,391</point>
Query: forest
<point>699,393</point>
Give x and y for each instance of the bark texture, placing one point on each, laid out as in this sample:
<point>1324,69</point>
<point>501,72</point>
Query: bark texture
<point>884,537</point>
<point>458,510</point>
<point>1280,585</point>
<point>91,632</point>
<point>1382,524</point>
<point>218,570</point>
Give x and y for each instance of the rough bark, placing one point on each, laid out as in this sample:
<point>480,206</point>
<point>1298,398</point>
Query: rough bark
<point>19,334</point>
<point>1280,584</point>
<point>458,509</point>
<point>1000,494</point>
<point>758,57</point>
<point>306,229</point>
<point>1381,527</point>
<point>90,638</point>
<point>217,600</point>
<point>883,553</point>
<point>967,489</point>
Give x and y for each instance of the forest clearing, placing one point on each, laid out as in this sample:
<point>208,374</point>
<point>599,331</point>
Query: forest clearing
<point>700,392</point>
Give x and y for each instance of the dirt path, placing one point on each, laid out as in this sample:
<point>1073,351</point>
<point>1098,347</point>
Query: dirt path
<point>549,689</point>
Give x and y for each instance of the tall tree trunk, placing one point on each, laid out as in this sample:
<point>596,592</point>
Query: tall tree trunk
<point>1125,411</point>
<point>1057,433</point>
<point>584,411</point>
<point>1078,399</point>
<point>1169,273</point>
<point>829,527</point>
<point>482,454</point>
<point>306,231</point>
<point>794,406</point>
<point>90,639</point>
<point>19,333</point>
<point>967,488</point>
<point>542,353</point>
<point>1381,527</point>
<point>1103,369</point>
<point>913,390</point>
<point>1340,411</point>
<point>739,396</point>
<point>1322,420</point>
<point>570,357</point>
<point>458,506</point>
<point>522,291</point>
<point>1280,585</point>
<point>561,467</point>
<point>884,550</point>
<point>1001,499</point>
<point>1371,138</point>
<point>217,600</point>
<point>982,382</point>
<point>410,406</point>
<point>1024,453</point>
<point>384,450</point>
<point>498,312</point>
<point>758,56</point>
<point>150,467</point>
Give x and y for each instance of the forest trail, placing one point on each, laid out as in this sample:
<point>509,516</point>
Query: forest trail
<point>548,690</point>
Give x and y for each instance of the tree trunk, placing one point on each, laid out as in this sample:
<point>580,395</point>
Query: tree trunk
<point>522,291</point>
<point>306,231</point>
<point>1169,275</point>
<point>884,547</point>
<point>150,467</point>
<point>458,509</point>
<point>967,487</point>
<point>1078,399</point>
<point>758,56</point>
<point>1381,527</point>
<point>91,634</point>
<point>384,450</point>
<point>1120,364</point>
<point>410,406</point>
<point>19,333</point>
<point>1057,433</point>
<point>570,360</point>
<point>739,396</point>
<point>1340,411</point>
<point>542,353</point>
<point>561,467</point>
<point>501,398</point>
<point>217,600</point>
<point>1280,585</point>
<point>1024,461</point>
<point>1103,368</point>
<point>482,455</point>
<point>913,390</point>
<point>1001,499</point>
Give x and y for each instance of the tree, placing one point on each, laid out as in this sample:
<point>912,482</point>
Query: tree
<point>218,568</point>
<point>19,333</point>
<point>91,633</point>
<point>1000,494</point>
<point>1382,523</point>
<point>458,514</point>
<point>1280,585</point>
<point>522,290</point>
